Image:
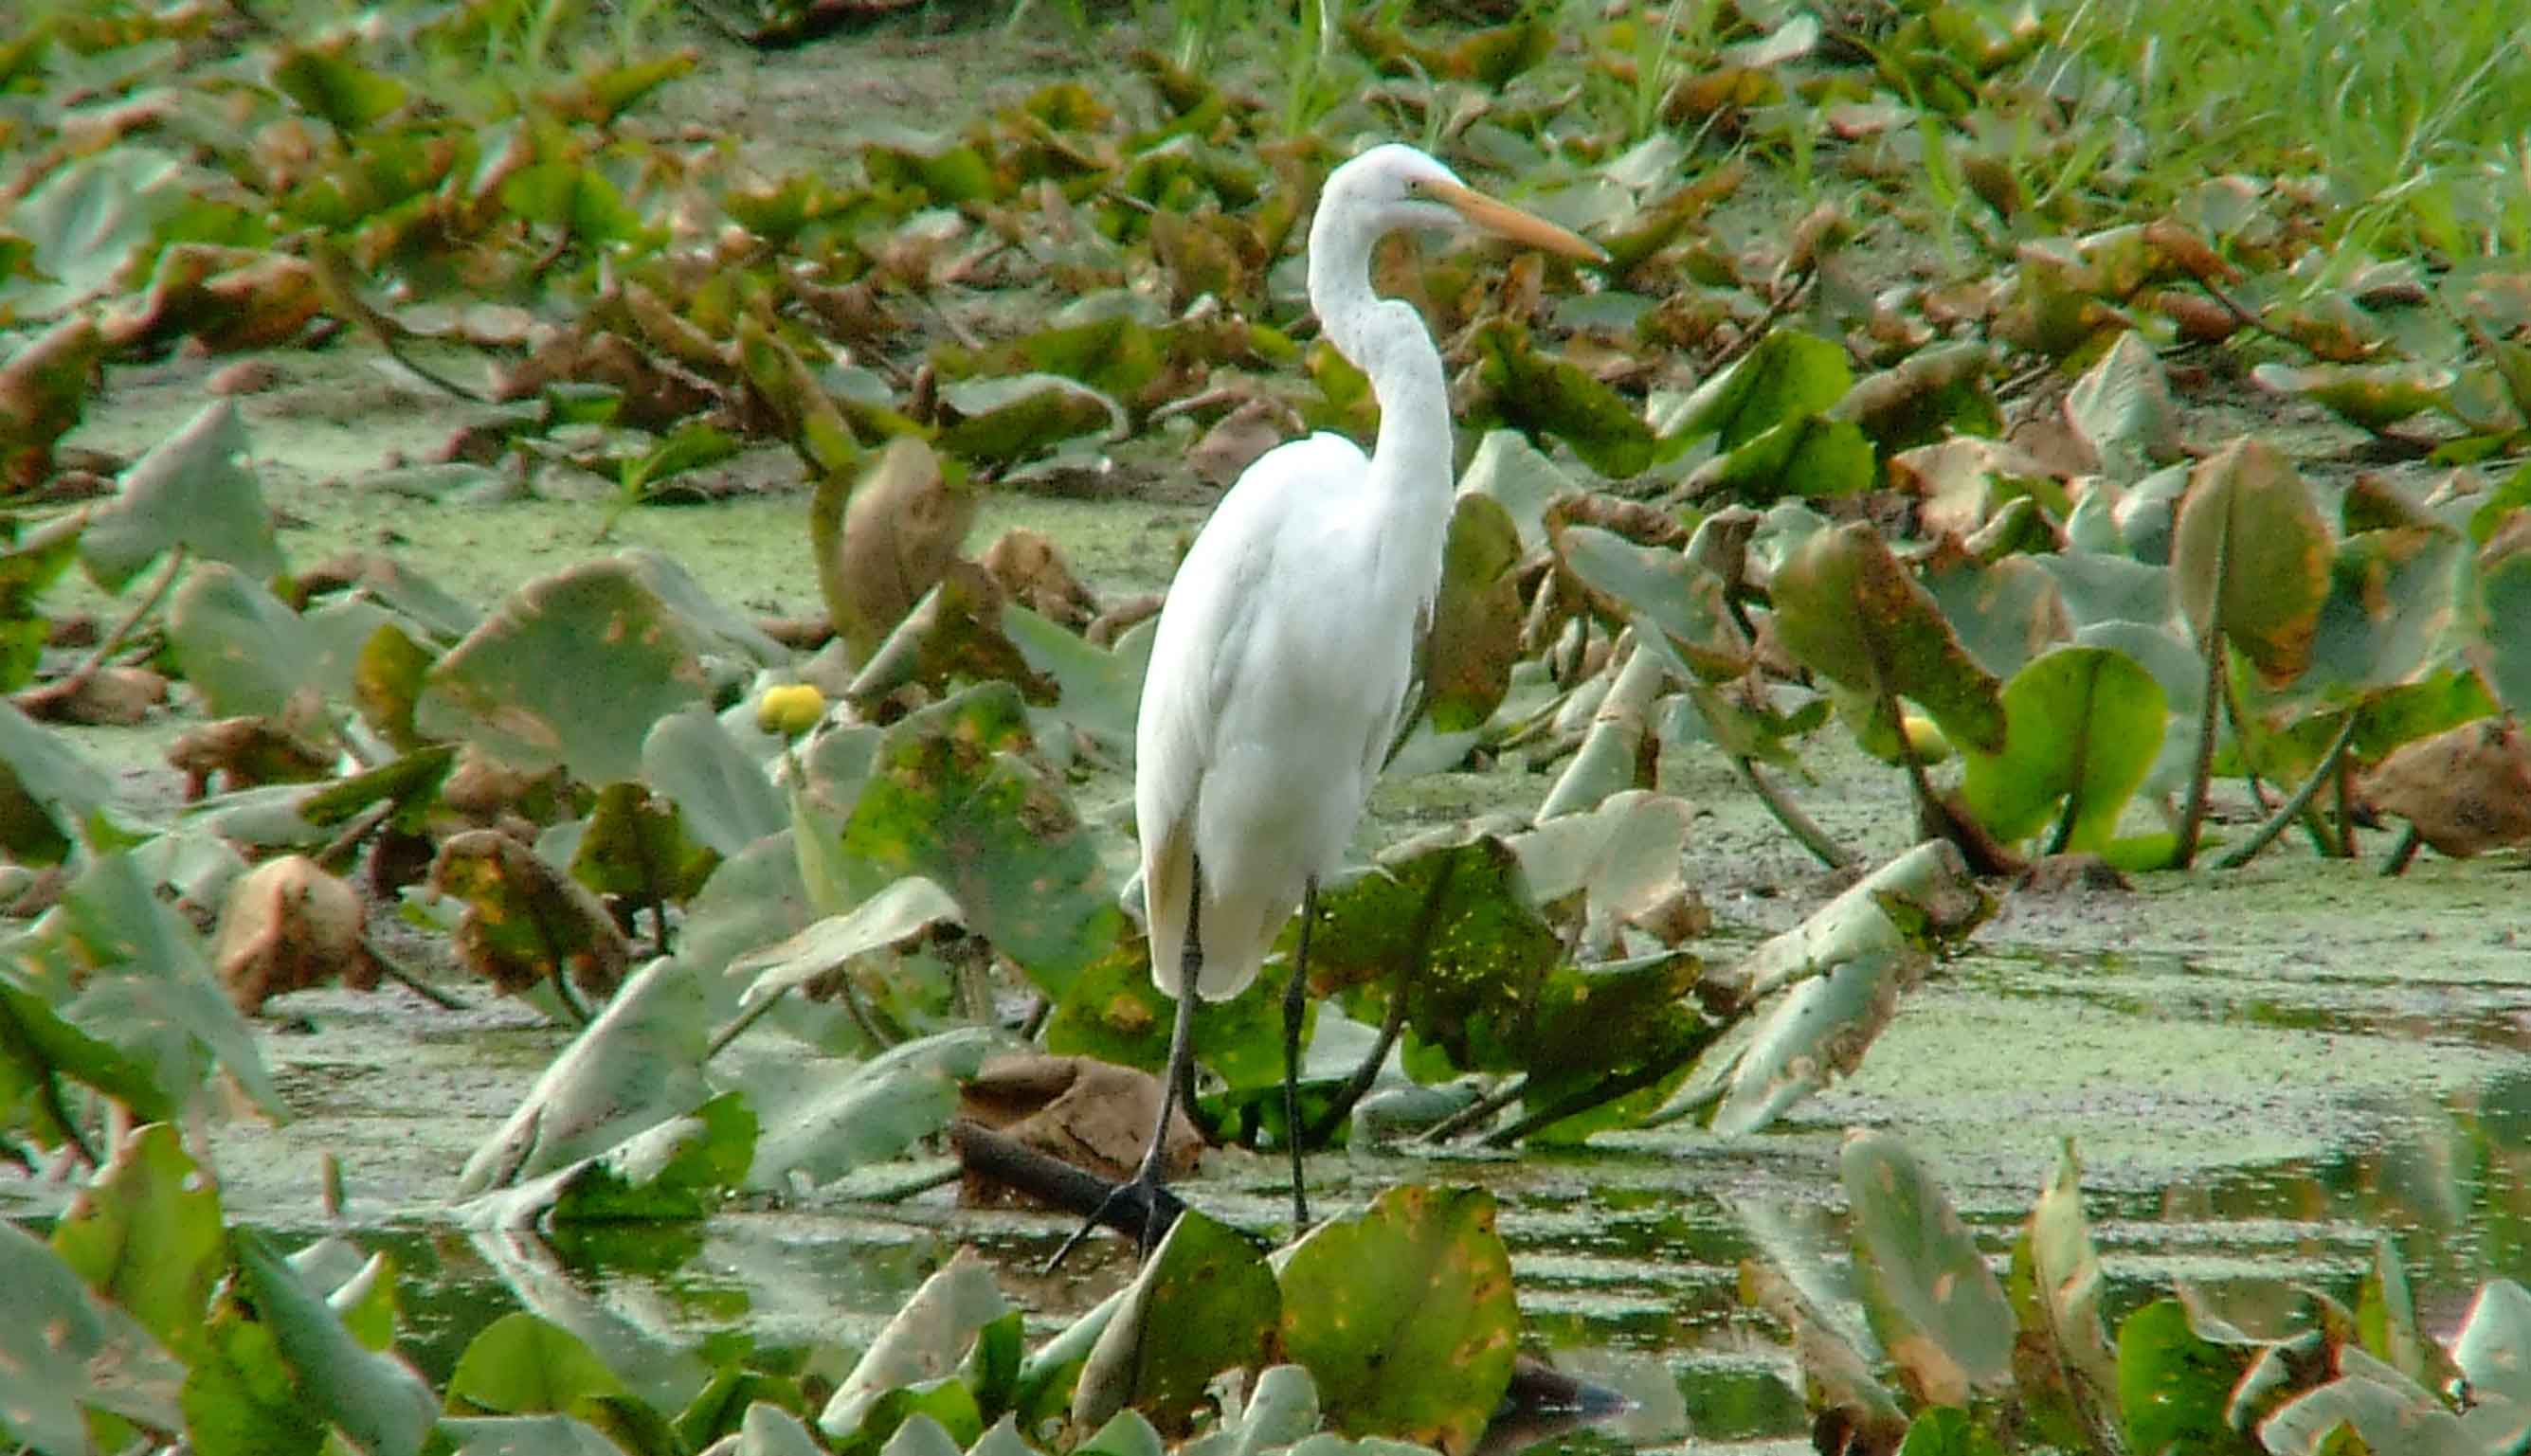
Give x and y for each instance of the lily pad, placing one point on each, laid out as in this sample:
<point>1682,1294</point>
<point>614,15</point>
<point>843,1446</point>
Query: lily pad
<point>1204,1303</point>
<point>2250,557</point>
<point>573,670</point>
<point>193,489</point>
<point>2084,726</point>
<point>1934,1303</point>
<point>1437,1377</point>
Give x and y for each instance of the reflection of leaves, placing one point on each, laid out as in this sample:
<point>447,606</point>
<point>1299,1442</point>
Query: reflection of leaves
<point>1435,1378</point>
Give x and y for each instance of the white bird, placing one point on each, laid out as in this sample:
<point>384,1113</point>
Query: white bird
<point>1287,641</point>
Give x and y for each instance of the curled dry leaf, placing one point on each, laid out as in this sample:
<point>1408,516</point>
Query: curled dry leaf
<point>119,697</point>
<point>1091,1113</point>
<point>287,926</point>
<point>40,393</point>
<point>242,753</point>
<point>1031,571</point>
<point>524,920</point>
<point>1122,618</point>
<point>902,528</point>
<point>2466,791</point>
<point>1237,440</point>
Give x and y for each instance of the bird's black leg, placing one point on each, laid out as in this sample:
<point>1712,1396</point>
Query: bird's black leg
<point>1296,998</point>
<point>1146,1183</point>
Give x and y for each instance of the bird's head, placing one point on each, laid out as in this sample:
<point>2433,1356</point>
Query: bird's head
<point>1394,187</point>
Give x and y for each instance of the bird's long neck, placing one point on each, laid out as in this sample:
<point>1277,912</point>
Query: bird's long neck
<point>1387,341</point>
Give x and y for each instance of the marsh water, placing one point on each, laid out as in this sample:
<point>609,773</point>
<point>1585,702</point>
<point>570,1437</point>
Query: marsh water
<point>2264,1073</point>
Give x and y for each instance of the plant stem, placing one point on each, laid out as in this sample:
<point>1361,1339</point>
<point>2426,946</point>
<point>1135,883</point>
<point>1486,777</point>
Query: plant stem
<point>2403,850</point>
<point>2192,812</point>
<point>1475,1113</point>
<point>2291,810</point>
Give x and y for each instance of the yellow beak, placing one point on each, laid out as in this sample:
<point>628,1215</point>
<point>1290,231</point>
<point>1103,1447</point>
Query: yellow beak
<point>1511,222</point>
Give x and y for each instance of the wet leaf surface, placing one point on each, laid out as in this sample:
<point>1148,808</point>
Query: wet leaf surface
<point>1403,1315</point>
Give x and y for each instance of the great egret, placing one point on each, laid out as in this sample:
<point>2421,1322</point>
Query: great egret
<point>1284,651</point>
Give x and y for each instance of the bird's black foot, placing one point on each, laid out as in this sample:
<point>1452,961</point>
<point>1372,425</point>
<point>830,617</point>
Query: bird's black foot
<point>1140,1207</point>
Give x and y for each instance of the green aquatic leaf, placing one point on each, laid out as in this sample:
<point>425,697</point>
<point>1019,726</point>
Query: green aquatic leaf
<point>29,565</point>
<point>825,1117</point>
<point>1849,610</point>
<point>1475,635</point>
<point>130,971</point>
<point>2251,556</point>
<point>722,795</point>
<point>1662,587</point>
<point>1810,457</point>
<point>2175,1383</point>
<point>574,670</point>
<point>88,220</point>
<point>1006,420</point>
<point>380,1402</point>
<point>1204,1303</point>
<point>51,793</point>
<point>194,490</point>
<point>1435,1378</point>
<point>241,648</point>
<point>520,1365</point>
<point>1788,375</point>
<point>925,1340</point>
<point>2082,728</point>
<point>2373,397</point>
<point>639,1063</point>
<point>146,1234</point>
<point>951,798</point>
<point>65,1351</point>
<point>2062,1355</point>
<point>680,1168</point>
<point>636,846</point>
<point>2122,408</point>
<point>1537,394</point>
<point>1934,1303</point>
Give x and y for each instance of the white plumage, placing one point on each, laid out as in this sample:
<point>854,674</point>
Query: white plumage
<point>1285,647</point>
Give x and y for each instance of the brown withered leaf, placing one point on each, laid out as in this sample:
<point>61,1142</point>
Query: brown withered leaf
<point>1031,571</point>
<point>903,525</point>
<point>41,390</point>
<point>287,926</point>
<point>117,696</point>
<point>1123,617</point>
<point>242,752</point>
<point>1235,441</point>
<point>1090,1113</point>
<point>2467,790</point>
<point>524,920</point>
